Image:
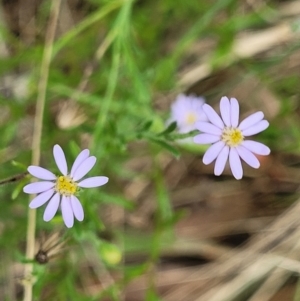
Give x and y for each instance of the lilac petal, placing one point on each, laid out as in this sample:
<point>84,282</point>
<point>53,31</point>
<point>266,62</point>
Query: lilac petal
<point>256,147</point>
<point>257,128</point>
<point>221,160</point>
<point>212,116</point>
<point>235,112</point>
<point>77,208</point>
<point>93,182</point>
<point>248,157</point>
<point>84,168</point>
<point>80,158</point>
<point>212,153</point>
<point>41,199</point>
<point>235,164</point>
<point>60,159</point>
<point>51,208</point>
<point>251,120</point>
<point>208,128</point>
<point>67,211</point>
<point>206,139</point>
<point>41,173</point>
<point>225,110</point>
<point>38,187</point>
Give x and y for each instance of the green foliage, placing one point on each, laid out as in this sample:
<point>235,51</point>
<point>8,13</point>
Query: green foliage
<point>136,50</point>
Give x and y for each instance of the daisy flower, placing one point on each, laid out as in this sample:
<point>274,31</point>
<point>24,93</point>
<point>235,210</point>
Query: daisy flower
<point>186,111</point>
<point>227,137</point>
<point>61,190</point>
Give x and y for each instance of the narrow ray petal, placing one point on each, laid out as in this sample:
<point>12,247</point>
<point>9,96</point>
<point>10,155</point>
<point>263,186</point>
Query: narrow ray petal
<point>235,112</point>
<point>93,182</point>
<point>60,159</point>
<point>208,128</point>
<point>41,199</point>
<point>84,168</point>
<point>221,161</point>
<point>80,158</point>
<point>251,120</point>
<point>248,157</point>
<point>67,211</point>
<point>77,208</point>
<point>206,139</point>
<point>212,153</point>
<point>257,128</point>
<point>41,173</point>
<point>235,164</point>
<point>225,110</point>
<point>51,208</point>
<point>212,116</point>
<point>38,187</point>
<point>256,147</point>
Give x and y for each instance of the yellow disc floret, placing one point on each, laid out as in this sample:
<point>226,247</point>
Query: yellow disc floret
<point>190,118</point>
<point>232,136</point>
<point>65,186</point>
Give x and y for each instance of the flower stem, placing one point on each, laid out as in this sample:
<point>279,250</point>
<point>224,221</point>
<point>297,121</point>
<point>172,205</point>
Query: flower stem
<point>36,141</point>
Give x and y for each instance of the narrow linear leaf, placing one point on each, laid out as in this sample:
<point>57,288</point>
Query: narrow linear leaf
<point>174,151</point>
<point>171,128</point>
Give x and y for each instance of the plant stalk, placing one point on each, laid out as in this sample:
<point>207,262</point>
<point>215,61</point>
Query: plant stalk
<point>36,141</point>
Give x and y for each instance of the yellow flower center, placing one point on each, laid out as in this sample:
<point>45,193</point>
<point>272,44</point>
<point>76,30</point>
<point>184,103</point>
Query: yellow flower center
<point>232,136</point>
<point>190,118</point>
<point>65,186</point>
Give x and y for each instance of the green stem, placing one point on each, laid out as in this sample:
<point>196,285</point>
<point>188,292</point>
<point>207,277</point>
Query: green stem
<point>119,30</point>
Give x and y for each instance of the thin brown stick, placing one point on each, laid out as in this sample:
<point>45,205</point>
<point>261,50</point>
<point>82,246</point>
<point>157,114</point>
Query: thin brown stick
<point>243,47</point>
<point>13,178</point>
<point>38,126</point>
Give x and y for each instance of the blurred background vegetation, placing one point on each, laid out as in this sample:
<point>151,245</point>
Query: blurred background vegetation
<point>163,228</point>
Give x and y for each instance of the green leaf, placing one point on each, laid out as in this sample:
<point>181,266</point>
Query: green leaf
<point>18,189</point>
<point>163,201</point>
<point>19,164</point>
<point>146,126</point>
<point>118,200</point>
<point>174,151</point>
<point>63,90</point>
<point>151,295</point>
<point>134,271</point>
<point>83,25</point>
<point>171,128</point>
<point>74,147</point>
<point>179,136</point>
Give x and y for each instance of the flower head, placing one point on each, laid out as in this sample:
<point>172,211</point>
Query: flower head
<point>186,111</point>
<point>227,137</point>
<point>61,190</point>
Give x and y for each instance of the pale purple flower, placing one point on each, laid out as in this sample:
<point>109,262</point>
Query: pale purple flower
<point>227,137</point>
<point>186,111</point>
<point>61,190</point>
